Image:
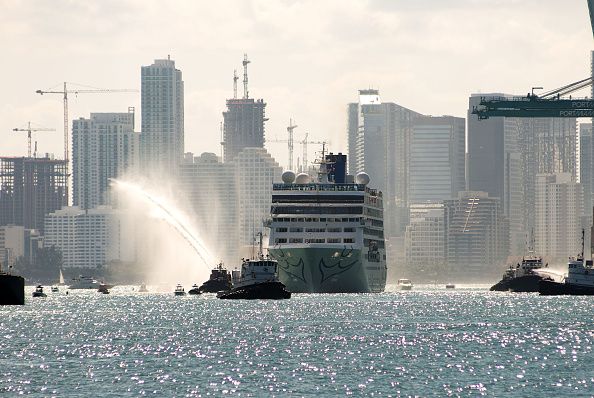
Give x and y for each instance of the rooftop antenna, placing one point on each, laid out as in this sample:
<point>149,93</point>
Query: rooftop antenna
<point>245,77</point>
<point>235,78</point>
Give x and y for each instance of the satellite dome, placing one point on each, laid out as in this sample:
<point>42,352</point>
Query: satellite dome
<point>302,178</point>
<point>288,177</point>
<point>362,178</point>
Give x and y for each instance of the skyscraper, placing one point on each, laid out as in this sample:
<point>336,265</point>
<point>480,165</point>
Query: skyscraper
<point>103,147</point>
<point>243,121</point>
<point>162,110</point>
<point>211,190</point>
<point>436,169</point>
<point>476,236</point>
<point>558,225</point>
<point>30,188</point>
<point>586,166</point>
<point>379,137</point>
<point>425,242</point>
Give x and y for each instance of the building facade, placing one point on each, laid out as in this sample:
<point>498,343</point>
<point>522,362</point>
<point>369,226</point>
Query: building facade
<point>255,170</point>
<point>437,159</point>
<point>210,187</point>
<point>89,238</point>
<point>476,236</point>
<point>586,166</point>
<point>425,242</point>
<point>379,136</point>
<point>558,225</point>
<point>243,126</point>
<point>103,147</point>
<point>31,188</point>
<point>162,110</point>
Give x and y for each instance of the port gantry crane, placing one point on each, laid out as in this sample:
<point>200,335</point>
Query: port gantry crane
<point>549,104</point>
<point>29,130</point>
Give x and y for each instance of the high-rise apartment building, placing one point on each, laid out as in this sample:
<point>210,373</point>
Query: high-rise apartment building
<point>425,242</point>
<point>210,187</point>
<point>243,121</point>
<point>30,188</point>
<point>437,159</point>
<point>379,137</point>
<point>494,165</point>
<point>557,231</point>
<point>476,236</point>
<point>586,168</point>
<point>103,147</point>
<point>162,110</point>
<point>256,170</point>
<point>89,238</point>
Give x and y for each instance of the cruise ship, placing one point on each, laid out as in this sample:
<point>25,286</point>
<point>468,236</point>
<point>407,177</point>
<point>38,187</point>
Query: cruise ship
<point>328,235</point>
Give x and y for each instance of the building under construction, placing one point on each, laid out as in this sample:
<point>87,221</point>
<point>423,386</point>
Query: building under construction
<point>243,121</point>
<point>30,188</point>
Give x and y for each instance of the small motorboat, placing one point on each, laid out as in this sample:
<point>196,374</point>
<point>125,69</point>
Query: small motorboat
<point>55,289</point>
<point>143,289</point>
<point>179,290</point>
<point>405,284</point>
<point>38,292</point>
<point>195,290</point>
<point>450,286</point>
<point>103,289</point>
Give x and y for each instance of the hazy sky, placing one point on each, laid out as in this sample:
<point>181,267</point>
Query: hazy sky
<point>309,58</point>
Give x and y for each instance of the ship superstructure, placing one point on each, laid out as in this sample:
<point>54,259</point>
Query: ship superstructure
<point>328,235</point>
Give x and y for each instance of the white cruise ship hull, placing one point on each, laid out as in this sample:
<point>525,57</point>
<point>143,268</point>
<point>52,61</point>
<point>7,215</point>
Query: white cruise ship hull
<point>304,269</point>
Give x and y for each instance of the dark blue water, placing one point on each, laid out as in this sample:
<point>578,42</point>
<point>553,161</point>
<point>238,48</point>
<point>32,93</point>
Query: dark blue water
<point>432,342</point>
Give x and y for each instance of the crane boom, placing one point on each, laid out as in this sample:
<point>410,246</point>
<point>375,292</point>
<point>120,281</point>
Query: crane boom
<point>29,130</point>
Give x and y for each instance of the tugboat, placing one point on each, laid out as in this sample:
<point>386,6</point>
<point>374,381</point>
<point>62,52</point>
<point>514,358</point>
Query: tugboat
<point>179,290</point>
<point>220,280</point>
<point>12,289</point>
<point>521,278</point>
<point>103,288</point>
<point>38,292</point>
<point>195,290</point>
<point>405,284</point>
<point>258,280</point>
<point>578,282</point>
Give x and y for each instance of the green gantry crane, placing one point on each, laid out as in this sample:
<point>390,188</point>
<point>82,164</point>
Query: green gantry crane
<point>549,104</point>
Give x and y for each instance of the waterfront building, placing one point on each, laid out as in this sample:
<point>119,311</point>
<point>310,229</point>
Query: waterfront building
<point>30,188</point>
<point>211,190</point>
<point>89,238</point>
<point>379,139</point>
<point>12,244</point>
<point>104,146</point>
<point>255,170</point>
<point>162,110</point>
<point>558,211</point>
<point>476,235</point>
<point>436,168</point>
<point>425,242</point>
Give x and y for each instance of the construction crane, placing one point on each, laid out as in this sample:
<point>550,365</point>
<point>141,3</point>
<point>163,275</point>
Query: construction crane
<point>289,141</point>
<point>549,104</point>
<point>29,130</point>
<point>305,142</point>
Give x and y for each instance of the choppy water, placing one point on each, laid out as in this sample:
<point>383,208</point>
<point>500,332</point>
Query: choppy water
<point>430,342</point>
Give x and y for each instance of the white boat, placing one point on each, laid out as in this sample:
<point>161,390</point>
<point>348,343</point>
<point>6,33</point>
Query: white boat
<point>405,284</point>
<point>327,234</point>
<point>179,290</point>
<point>84,282</point>
<point>55,289</point>
<point>61,279</point>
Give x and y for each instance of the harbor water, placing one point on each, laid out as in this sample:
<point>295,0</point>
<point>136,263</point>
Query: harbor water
<point>426,342</point>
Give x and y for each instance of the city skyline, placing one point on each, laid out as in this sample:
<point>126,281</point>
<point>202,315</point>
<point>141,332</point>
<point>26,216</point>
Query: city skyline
<point>309,80</point>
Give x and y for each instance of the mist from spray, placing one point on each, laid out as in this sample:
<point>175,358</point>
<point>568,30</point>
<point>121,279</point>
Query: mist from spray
<point>165,256</point>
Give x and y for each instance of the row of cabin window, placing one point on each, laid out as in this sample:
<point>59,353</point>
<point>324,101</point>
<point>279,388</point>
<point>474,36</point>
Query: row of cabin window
<point>283,219</point>
<point>299,229</point>
<point>314,240</point>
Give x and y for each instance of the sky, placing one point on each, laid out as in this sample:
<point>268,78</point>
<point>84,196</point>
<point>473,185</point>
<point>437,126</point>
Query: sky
<point>308,59</point>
